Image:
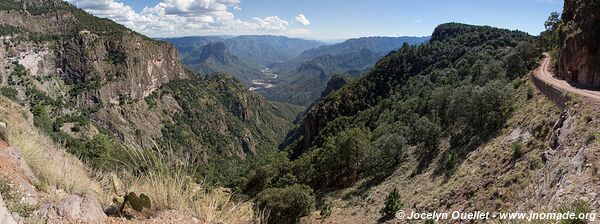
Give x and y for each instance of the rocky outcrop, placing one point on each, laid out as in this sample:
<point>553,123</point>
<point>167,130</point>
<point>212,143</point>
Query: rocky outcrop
<point>110,70</point>
<point>336,82</point>
<point>579,33</point>
<point>75,209</point>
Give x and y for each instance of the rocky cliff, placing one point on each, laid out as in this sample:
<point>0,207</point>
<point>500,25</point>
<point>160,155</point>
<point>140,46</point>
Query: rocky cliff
<point>109,70</point>
<point>579,33</point>
<point>86,77</point>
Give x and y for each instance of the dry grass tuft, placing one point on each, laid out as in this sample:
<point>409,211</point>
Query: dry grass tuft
<point>49,162</point>
<point>171,187</point>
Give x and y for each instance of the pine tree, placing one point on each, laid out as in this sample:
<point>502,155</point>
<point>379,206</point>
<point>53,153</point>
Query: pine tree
<point>393,203</point>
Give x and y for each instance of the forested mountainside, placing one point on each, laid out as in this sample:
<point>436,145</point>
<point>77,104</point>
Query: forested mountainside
<point>412,74</point>
<point>454,92</point>
<point>97,87</point>
<point>579,43</point>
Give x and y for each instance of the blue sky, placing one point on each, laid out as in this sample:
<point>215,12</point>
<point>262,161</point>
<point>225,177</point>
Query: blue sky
<point>322,19</point>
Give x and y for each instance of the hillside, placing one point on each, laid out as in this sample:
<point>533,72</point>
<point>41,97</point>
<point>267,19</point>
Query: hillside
<point>266,50</point>
<point>304,84</point>
<point>422,114</point>
<point>116,99</point>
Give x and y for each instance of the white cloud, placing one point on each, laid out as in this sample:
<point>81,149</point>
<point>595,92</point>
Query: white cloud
<point>302,19</point>
<point>187,17</point>
<point>417,21</point>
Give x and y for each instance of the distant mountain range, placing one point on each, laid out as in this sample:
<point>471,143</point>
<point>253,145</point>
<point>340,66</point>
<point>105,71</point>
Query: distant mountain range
<point>214,57</point>
<point>264,50</point>
<point>375,44</point>
<point>303,79</point>
<point>285,69</point>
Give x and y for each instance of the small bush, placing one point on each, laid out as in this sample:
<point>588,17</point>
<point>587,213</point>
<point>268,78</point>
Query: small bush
<point>286,205</point>
<point>516,83</point>
<point>13,199</point>
<point>450,162</point>
<point>393,203</point>
<point>529,93</point>
<point>590,137</point>
<point>9,93</point>
<point>116,57</point>
<point>516,149</point>
<point>326,209</point>
<point>535,162</point>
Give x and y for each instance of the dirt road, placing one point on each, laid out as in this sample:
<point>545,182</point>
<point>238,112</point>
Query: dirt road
<point>543,73</point>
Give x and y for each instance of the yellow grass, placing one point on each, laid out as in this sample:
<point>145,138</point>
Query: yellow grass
<point>48,161</point>
<point>167,183</point>
<point>170,187</point>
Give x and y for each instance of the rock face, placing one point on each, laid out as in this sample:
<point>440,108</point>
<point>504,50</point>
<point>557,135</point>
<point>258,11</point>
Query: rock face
<point>579,53</point>
<point>128,67</point>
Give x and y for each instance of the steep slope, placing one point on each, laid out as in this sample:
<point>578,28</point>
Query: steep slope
<point>397,68</point>
<point>579,43</point>
<point>97,87</point>
<point>215,57</point>
<point>420,112</point>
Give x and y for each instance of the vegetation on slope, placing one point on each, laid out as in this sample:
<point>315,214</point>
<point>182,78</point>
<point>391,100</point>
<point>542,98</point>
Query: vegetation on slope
<point>459,86</point>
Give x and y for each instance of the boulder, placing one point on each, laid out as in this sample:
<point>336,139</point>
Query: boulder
<point>76,209</point>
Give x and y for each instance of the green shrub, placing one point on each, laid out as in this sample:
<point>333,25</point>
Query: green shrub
<point>342,157</point>
<point>516,83</point>
<point>450,162</point>
<point>286,205</point>
<point>529,93</point>
<point>535,162</point>
<point>393,203</point>
<point>116,57</point>
<point>41,118</point>
<point>590,137</point>
<point>9,93</point>
<point>326,209</point>
<point>516,149</point>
